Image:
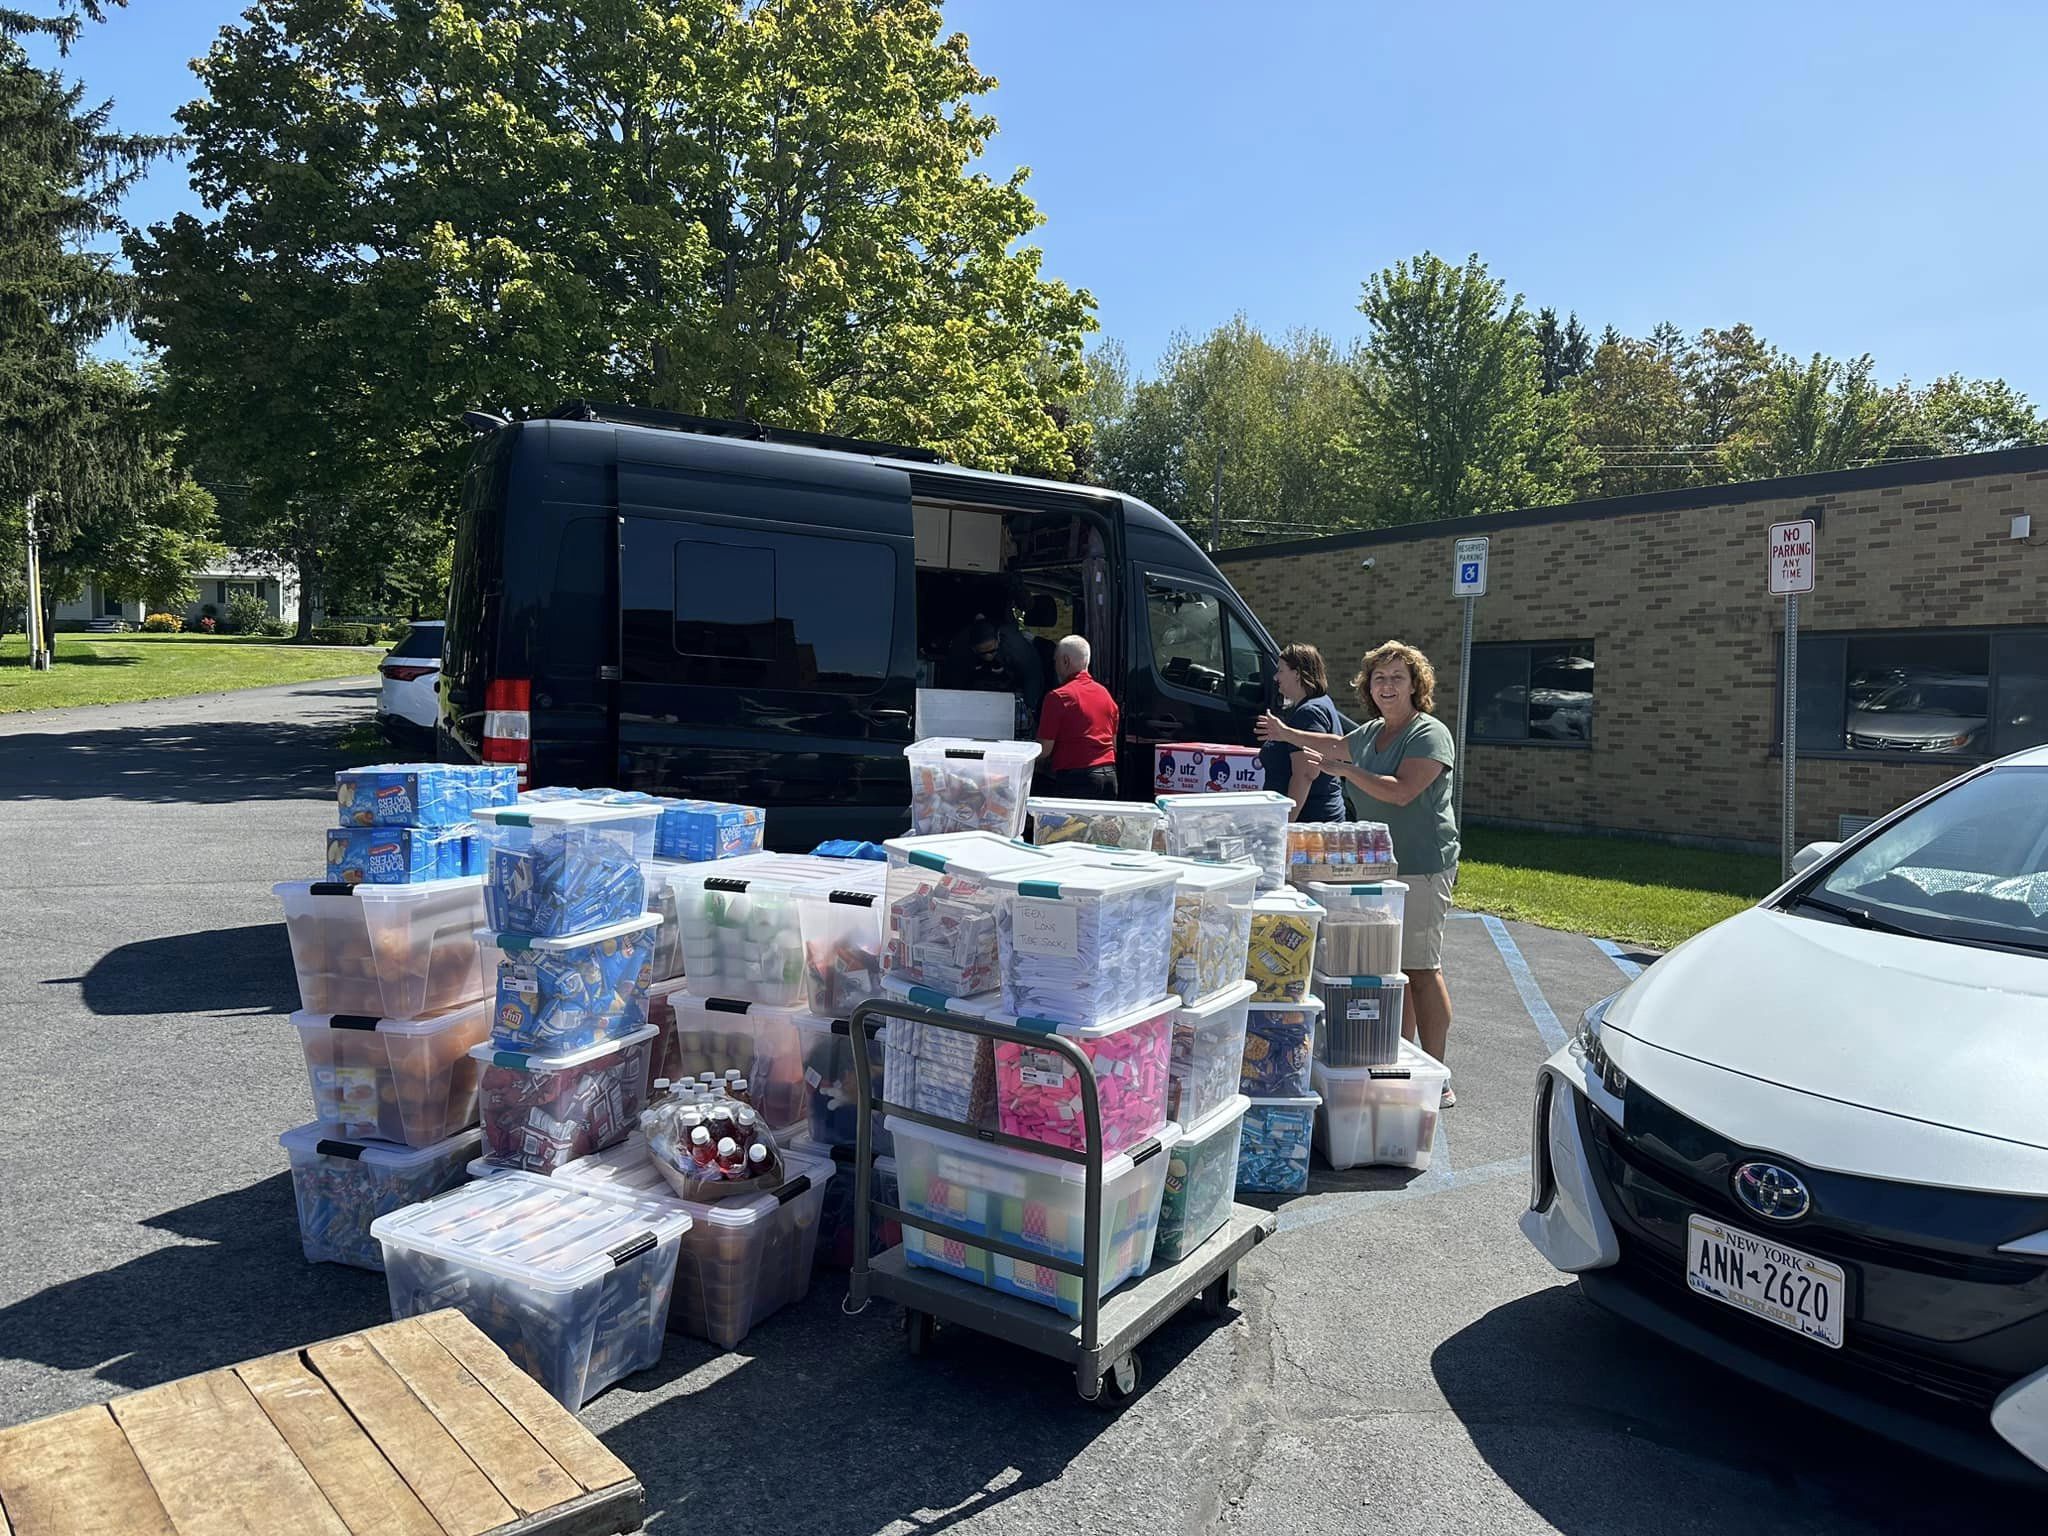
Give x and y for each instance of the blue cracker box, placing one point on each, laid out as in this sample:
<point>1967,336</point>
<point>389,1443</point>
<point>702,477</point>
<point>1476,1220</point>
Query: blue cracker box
<point>699,830</point>
<point>402,795</point>
<point>397,855</point>
<point>1273,1145</point>
<point>561,995</point>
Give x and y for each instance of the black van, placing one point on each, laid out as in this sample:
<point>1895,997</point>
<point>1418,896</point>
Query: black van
<point>666,603</point>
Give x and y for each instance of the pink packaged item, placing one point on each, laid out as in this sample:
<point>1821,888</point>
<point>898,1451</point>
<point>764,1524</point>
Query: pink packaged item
<point>1038,1092</point>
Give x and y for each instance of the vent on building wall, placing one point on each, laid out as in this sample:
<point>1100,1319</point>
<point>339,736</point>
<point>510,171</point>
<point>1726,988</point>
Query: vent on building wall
<point>1847,827</point>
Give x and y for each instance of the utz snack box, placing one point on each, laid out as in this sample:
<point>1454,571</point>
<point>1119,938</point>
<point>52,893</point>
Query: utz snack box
<point>1203,767</point>
<point>379,855</point>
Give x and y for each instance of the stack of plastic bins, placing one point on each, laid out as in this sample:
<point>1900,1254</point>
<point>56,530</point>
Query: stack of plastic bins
<point>411,1082</point>
<point>788,930</point>
<point>1031,1201</point>
<point>539,1112</point>
<point>958,785</point>
<point>1130,824</point>
<point>1212,926</point>
<point>939,931</point>
<point>572,1283</point>
<point>1083,943</point>
<point>560,995</point>
<point>1360,1025</point>
<point>1231,829</point>
<point>741,1260</point>
<point>1361,927</point>
<point>562,867</point>
<point>1038,1092</point>
<point>937,1071</point>
<point>1283,946</point>
<point>386,951</point>
<point>1208,1054</point>
<point>1272,1158</point>
<point>766,1046</point>
<point>404,823</point>
<point>1279,1047</point>
<point>342,1186</point>
<point>1201,1180</point>
<point>1385,1115</point>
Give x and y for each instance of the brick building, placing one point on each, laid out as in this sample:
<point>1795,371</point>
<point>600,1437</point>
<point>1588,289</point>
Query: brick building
<point>1626,658</point>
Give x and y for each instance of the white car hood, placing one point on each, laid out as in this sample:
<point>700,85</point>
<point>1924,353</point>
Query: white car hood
<point>1943,1034</point>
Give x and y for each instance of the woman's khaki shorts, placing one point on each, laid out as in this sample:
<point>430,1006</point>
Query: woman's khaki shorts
<point>1422,920</point>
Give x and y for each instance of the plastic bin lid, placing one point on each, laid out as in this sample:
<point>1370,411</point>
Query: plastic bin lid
<point>1308,1003</point>
<point>1232,996</point>
<point>565,813</point>
<point>973,853</point>
<point>1064,877</point>
<point>1301,1101</point>
<point>526,1061</point>
<point>628,1170</point>
<point>1227,1113</point>
<point>465,1013</point>
<point>680,997</point>
<point>1395,980</point>
<point>788,873</point>
<point>1286,899</point>
<point>1165,1139</point>
<point>418,890</point>
<point>1129,1019</point>
<point>1144,810</point>
<point>519,943</point>
<point>1413,1064</point>
<point>1004,753</point>
<point>1343,890</point>
<point>315,1140</point>
<point>1228,800</point>
<point>534,1229</point>
<point>974,1007</point>
<point>1206,875</point>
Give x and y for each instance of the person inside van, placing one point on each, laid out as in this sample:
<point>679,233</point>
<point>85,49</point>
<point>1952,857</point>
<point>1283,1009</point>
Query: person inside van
<point>997,657</point>
<point>1077,730</point>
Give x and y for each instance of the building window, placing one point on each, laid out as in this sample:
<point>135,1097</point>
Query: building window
<point>1539,692</point>
<point>1920,693</point>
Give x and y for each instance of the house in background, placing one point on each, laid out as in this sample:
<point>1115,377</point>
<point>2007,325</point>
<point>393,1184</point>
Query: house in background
<point>274,584</point>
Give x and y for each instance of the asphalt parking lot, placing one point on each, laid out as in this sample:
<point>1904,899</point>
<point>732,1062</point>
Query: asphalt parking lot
<point>1402,1361</point>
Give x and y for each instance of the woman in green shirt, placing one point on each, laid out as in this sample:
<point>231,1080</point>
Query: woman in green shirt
<point>1403,758</point>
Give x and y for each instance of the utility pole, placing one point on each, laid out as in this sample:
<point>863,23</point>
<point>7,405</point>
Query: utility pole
<point>1216,503</point>
<point>38,642</point>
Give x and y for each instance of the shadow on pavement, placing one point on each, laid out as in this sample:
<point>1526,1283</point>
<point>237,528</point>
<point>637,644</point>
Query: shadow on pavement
<point>1599,1426</point>
<point>240,1288</point>
<point>199,762</point>
<point>220,971</point>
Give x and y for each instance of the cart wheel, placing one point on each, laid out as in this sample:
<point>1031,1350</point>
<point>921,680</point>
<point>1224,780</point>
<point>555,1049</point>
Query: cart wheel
<point>918,1325</point>
<point>1216,1299</point>
<point>1122,1381</point>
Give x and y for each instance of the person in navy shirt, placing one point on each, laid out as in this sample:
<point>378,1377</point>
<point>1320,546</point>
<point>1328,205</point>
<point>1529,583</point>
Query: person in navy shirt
<point>1304,684</point>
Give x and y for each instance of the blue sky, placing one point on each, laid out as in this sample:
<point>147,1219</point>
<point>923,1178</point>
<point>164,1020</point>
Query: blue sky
<point>1845,178</point>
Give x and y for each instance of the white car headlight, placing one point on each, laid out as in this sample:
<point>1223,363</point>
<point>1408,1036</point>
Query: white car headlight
<point>1594,1051</point>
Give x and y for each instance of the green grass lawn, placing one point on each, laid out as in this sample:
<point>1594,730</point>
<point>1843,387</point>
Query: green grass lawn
<point>121,669</point>
<point>1614,888</point>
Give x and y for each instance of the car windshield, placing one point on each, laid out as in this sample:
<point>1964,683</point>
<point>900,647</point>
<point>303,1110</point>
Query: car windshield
<point>1959,699</point>
<point>421,640</point>
<point>1970,866</point>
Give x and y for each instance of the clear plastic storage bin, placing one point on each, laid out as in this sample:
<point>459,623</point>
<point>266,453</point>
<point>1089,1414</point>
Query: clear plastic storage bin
<point>788,930</point>
<point>1272,1157</point>
<point>1231,829</point>
<point>766,1046</point>
<point>1208,1054</point>
<point>660,876</point>
<point>939,1071</point>
<point>411,1081</point>
<point>561,867</point>
<point>1201,1181</point>
<point>1384,1115</point>
<point>342,1186</point>
<point>830,1087</point>
<point>571,1283</point>
<point>1361,927</point>
<point>940,927</point>
<point>1283,948</point>
<point>1082,943</point>
<point>1279,1044</point>
<point>835,1221</point>
<point>1212,926</point>
<point>539,1112</point>
<point>1360,1024</point>
<point>960,785</point>
<point>1055,823</point>
<point>559,995</point>
<point>390,951</point>
<point>1035,1202</point>
<point>741,1260</point>
<point>1038,1092</point>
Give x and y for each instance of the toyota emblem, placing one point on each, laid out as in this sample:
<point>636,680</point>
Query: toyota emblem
<point>1775,1193</point>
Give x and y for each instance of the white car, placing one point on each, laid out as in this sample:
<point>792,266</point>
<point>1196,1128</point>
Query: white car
<point>408,696</point>
<point>1811,1143</point>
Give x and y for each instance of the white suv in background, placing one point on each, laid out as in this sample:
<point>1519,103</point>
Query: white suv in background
<point>408,700</point>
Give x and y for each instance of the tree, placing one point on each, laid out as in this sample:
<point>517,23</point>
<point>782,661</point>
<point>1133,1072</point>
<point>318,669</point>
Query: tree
<point>1725,373</point>
<point>1453,419</point>
<point>1959,415</point>
<point>1825,415</point>
<point>1636,417</point>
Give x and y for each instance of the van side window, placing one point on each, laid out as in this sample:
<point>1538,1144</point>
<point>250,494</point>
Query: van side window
<point>1251,675</point>
<point>754,609</point>
<point>1187,635</point>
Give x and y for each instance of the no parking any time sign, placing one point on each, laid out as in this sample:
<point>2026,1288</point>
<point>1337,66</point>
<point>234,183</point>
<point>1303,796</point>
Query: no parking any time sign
<point>1791,558</point>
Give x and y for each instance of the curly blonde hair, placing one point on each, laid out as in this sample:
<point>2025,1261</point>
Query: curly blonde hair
<point>1424,693</point>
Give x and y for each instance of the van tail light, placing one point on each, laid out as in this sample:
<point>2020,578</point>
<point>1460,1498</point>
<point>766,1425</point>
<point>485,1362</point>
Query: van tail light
<point>508,725</point>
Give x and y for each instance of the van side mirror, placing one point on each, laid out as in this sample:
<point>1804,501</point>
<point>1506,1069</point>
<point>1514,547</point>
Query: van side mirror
<point>1811,855</point>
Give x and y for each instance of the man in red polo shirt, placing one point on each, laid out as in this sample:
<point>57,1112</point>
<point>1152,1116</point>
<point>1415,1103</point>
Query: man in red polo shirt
<point>1077,730</point>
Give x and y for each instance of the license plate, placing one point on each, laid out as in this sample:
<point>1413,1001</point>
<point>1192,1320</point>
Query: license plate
<point>1766,1279</point>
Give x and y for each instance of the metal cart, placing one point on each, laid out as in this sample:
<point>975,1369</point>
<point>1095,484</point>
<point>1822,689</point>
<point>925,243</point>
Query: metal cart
<point>1102,1347</point>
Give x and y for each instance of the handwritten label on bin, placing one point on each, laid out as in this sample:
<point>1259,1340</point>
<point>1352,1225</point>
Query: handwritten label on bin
<point>1042,925</point>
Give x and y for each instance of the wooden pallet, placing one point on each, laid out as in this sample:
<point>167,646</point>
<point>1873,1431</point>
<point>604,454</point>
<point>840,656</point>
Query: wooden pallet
<point>417,1428</point>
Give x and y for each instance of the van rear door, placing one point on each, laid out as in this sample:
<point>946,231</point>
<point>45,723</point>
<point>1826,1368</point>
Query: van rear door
<point>767,637</point>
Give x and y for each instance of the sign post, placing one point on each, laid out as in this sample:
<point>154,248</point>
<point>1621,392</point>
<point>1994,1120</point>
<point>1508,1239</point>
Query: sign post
<point>1468,580</point>
<point>1791,565</point>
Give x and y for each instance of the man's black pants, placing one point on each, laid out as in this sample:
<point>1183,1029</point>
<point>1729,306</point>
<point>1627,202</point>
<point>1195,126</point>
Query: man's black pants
<point>1082,783</point>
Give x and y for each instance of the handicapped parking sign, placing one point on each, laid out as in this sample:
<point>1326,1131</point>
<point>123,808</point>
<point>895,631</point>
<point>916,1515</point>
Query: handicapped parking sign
<point>1468,568</point>
<point>1468,573</point>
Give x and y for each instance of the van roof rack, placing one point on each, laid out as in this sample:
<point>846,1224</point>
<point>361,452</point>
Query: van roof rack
<point>752,431</point>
